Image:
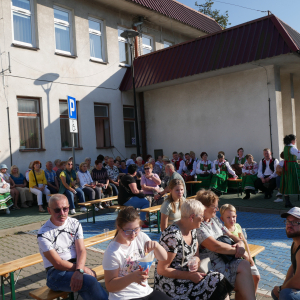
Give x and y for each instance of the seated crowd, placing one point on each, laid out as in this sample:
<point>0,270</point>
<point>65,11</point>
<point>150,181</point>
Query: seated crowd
<point>90,181</point>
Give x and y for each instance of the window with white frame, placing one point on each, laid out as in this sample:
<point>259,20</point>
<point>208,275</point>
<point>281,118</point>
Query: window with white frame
<point>167,44</point>
<point>124,51</point>
<point>101,112</point>
<point>63,30</point>
<point>23,22</point>
<point>96,41</point>
<point>129,125</point>
<point>147,44</point>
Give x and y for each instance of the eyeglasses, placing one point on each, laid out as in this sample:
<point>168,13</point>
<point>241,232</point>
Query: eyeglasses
<point>215,207</point>
<point>131,231</point>
<point>146,168</point>
<point>58,210</point>
<point>293,223</point>
<point>70,164</point>
<point>200,216</point>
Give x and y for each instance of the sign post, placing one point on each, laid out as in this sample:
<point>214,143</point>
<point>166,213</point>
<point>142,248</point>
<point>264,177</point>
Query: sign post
<point>72,123</point>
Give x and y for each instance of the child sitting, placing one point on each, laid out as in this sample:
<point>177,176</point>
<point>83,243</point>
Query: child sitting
<point>228,216</point>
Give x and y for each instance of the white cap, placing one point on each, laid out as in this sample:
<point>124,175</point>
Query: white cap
<point>295,211</point>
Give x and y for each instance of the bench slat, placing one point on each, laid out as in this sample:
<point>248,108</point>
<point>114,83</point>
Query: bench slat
<point>151,209</point>
<point>255,249</point>
<point>98,201</point>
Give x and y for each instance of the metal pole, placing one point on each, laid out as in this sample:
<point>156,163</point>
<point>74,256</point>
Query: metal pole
<point>138,150</point>
<point>73,149</point>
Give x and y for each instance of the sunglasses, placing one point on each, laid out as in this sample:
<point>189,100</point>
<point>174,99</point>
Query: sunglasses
<point>70,164</point>
<point>58,210</point>
<point>146,168</point>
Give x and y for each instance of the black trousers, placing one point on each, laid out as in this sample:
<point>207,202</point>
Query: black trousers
<point>155,295</point>
<point>93,194</point>
<point>260,186</point>
<point>51,189</point>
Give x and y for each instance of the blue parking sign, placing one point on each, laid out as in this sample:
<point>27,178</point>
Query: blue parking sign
<point>72,107</point>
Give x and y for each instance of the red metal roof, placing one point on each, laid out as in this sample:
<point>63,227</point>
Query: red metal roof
<point>181,13</point>
<point>245,43</point>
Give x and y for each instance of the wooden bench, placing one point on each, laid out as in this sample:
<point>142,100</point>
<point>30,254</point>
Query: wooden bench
<point>255,250</point>
<point>44,293</point>
<point>92,202</point>
<point>239,184</point>
<point>192,183</point>
<point>152,210</point>
<point>9,268</point>
<point>117,207</point>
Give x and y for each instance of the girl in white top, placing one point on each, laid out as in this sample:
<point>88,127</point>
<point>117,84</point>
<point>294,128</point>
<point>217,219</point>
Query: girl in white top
<point>124,277</point>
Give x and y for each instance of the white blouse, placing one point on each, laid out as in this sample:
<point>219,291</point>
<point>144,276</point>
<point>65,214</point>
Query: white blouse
<point>84,178</point>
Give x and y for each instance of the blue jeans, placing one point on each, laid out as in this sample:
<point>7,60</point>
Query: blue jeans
<point>115,189</point>
<point>70,196</point>
<point>60,281</point>
<point>278,180</point>
<point>287,294</point>
<point>137,202</point>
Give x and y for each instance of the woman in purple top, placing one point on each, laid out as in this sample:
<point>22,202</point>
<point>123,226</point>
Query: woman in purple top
<point>150,182</point>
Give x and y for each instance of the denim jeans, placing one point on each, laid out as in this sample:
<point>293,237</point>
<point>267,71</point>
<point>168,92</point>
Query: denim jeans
<point>287,294</point>
<point>137,202</point>
<point>278,180</point>
<point>70,196</point>
<point>60,281</point>
<point>115,189</point>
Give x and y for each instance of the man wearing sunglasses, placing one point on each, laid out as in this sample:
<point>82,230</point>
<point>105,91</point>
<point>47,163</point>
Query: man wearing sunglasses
<point>290,289</point>
<point>62,248</point>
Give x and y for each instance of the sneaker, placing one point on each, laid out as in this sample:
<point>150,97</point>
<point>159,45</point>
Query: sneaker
<point>72,212</point>
<point>278,200</point>
<point>278,194</point>
<point>7,211</point>
<point>101,207</point>
<point>83,209</point>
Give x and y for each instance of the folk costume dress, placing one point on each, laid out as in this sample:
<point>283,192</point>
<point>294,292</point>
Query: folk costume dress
<point>202,167</point>
<point>178,165</point>
<point>249,175</point>
<point>235,164</point>
<point>290,178</point>
<point>213,286</point>
<point>5,197</point>
<point>220,175</point>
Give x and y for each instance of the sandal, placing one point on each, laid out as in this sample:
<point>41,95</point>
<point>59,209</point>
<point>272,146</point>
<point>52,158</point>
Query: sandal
<point>41,210</point>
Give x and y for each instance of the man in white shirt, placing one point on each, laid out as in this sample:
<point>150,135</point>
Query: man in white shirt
<point>62,248</point>
<point>267,174</point>
<point>177,162</point>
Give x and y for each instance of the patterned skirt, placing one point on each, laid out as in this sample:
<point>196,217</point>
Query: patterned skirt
<point>290,179</point>
<point>214,286</point>
<point>5,201</point>
<point>219,182</point>
<point>248,182</point>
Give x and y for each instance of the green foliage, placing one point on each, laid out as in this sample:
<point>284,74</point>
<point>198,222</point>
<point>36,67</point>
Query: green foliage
<point>221,19</point>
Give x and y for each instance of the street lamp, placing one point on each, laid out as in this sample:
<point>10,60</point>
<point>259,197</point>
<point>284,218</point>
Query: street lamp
<point>130,36</point>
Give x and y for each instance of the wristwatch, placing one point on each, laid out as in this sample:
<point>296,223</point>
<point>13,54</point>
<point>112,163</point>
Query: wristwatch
<point>80,270</point>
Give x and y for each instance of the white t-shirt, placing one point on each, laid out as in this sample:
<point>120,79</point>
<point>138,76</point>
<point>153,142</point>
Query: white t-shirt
<point>60,238</point>
<point>124,258</point>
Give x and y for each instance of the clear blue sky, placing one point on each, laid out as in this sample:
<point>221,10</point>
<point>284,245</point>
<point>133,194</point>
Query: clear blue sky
<point>286,10</point>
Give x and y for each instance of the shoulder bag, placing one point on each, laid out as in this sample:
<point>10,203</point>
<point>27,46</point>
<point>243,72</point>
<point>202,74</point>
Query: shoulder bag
<point>227,258</point>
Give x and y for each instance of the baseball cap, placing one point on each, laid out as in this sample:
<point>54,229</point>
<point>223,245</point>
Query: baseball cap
<point>3,166</point>
<point>295,211</point>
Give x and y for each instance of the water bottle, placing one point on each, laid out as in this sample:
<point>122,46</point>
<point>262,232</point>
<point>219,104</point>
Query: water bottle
<point>244,233</point>
<point>195,177</point>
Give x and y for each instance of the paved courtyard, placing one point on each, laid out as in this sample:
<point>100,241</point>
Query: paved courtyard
<point>266,229</point>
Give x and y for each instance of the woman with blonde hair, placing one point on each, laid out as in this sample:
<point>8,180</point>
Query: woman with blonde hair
<point>236,270</point>
<point>21,186</point>
<point>170,210</point>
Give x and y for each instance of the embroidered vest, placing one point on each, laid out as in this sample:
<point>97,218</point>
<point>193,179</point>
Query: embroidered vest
<point>242,161</point>
<point>271,165</point>
<point>190,165</point>
<point>176,163</point>
<point>205,167</point>
<point>222,168</point>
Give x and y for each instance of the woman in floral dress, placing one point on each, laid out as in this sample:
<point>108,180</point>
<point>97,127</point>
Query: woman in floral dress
<point>237,271</point>
<point>173,276</point>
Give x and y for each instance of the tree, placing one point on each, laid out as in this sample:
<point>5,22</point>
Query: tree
<point>221,19</point>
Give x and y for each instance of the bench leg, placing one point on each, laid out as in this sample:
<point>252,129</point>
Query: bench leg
<point>12,286</point>
<point>158,221</point>
<point>254,259</point>
<point>87,215</point>
<point>93,209</point>
<point>2,288</point>
<point>150,221</point>
<point>71,296</point>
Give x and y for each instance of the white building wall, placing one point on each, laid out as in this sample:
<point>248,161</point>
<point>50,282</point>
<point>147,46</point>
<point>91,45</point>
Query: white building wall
<point>220,113</point>
<point>79,77</point>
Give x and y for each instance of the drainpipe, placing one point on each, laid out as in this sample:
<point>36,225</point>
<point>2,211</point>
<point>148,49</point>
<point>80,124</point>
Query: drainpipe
<point>143,125</point>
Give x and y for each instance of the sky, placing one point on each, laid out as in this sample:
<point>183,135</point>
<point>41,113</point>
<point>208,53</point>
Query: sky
<point>286,10</point>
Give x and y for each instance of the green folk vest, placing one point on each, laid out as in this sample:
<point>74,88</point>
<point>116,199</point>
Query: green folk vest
<point>223,167</point>
<point>205,167</point>
<point>242,161</point>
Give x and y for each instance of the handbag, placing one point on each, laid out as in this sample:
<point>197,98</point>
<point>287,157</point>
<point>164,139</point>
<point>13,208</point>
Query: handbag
<point>227,258</point>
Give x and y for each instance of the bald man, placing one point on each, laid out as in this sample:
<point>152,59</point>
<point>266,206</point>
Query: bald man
<point>61,245</point>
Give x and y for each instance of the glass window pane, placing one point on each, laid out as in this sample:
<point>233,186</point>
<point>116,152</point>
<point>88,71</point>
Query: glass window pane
<point>101,111</point>
<point>28,106</point>
<point>146,51</point>
<point>128,112</point>
<point>62,37</point>
<point>124,53</point>
<point>25,4</point>
<point>63,108</point>
<point>29,132</point>
<point>146,41</point>
<point>66,138</point>
<point>94,25</point>
<point>22,28</point>
<point>129,132</point>
<point>95,46</point>
<point>61,15</point>
<point>102,132</point>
